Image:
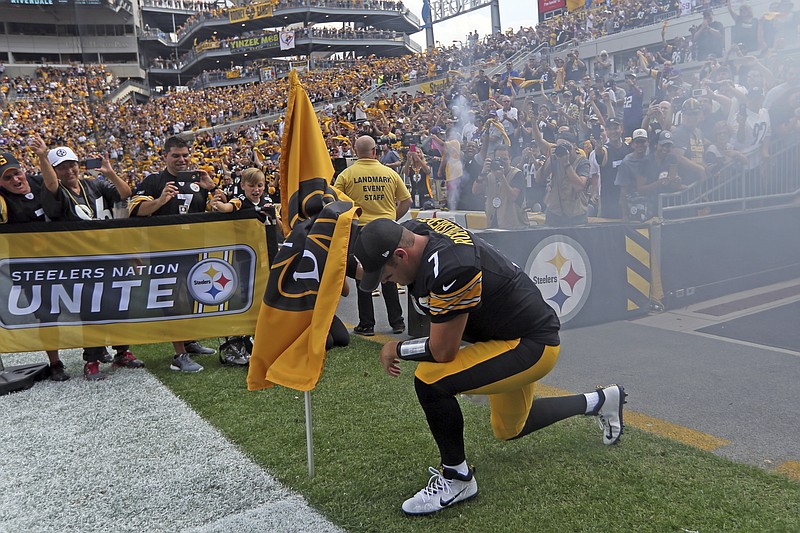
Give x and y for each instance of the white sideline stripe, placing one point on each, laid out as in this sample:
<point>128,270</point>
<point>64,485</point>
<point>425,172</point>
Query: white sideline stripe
<point>59,470</point>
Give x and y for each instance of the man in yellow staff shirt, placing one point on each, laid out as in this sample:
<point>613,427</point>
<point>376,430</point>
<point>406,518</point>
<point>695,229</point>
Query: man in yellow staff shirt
<point>380,193</point>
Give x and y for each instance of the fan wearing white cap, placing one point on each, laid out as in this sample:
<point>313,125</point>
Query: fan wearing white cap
<point>67,195</point>
<point>664,171</point>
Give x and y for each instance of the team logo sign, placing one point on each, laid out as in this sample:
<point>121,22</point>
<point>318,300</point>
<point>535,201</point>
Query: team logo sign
<point>101,289</point>
<point>212,281</point>
<point>560,268</point>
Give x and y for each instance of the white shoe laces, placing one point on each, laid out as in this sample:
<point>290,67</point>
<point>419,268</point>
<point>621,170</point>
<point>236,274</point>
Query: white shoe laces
<point>436,484</point>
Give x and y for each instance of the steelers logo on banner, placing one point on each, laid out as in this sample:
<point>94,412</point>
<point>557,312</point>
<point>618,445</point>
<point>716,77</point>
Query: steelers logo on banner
<point>560,268</point>
<point>212,281</point>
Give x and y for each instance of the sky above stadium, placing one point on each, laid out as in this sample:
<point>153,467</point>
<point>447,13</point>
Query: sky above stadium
<point>513,14</point>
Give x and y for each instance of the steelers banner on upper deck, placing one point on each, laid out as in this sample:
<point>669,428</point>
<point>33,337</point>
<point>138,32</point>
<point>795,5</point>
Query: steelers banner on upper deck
<point>133,281</point>
<point>250,12</point>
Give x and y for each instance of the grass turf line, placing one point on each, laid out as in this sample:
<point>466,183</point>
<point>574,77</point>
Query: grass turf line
<point>372,449</point>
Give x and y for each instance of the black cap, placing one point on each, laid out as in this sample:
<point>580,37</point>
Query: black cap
<point>374,246</point>
<point>665,137</point>
<point>8,162</point>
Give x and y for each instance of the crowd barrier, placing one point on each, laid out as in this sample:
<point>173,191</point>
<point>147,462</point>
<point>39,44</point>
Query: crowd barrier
<point>588,274</point>
<point>157,279</point>
<point>131,281</point>
<point>707,257</point>
<point>601,273</point>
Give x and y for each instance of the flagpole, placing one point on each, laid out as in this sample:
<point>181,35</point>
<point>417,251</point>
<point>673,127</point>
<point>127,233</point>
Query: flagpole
<point>309,436</point>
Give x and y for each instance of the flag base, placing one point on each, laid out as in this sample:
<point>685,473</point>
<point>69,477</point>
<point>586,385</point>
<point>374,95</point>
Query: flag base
<point>17,378</point>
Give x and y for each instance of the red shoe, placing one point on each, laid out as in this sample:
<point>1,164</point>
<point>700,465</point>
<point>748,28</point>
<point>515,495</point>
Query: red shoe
<point>127,360</point>
<point>91,371</point>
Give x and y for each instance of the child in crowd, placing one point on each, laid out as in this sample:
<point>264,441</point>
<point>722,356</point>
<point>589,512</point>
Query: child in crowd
<point>255,195</point>
<point>236,350</point>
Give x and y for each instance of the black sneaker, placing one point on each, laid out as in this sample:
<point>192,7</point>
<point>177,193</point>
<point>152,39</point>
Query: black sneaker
<point>58,372</point>
<point>127,360</point>
<point>366,331</point>
<point>399,328</point>
<point>195,348</point>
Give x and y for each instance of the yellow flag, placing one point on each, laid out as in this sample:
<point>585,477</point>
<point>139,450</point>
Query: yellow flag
<point>308,272</point>
<point>304,155</point>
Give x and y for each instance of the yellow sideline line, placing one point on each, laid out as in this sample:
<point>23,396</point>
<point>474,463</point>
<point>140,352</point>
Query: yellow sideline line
<point>696,439</point>
<point>790,468</point>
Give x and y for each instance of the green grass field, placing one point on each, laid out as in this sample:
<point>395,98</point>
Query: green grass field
<point>372,450</point>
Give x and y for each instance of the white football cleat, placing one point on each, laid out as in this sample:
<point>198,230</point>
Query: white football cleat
<point>444,489</point>
<point>609,415</point>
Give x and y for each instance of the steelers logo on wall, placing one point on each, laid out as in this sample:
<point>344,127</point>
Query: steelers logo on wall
<point>212,281</point>
<point>560,268</point>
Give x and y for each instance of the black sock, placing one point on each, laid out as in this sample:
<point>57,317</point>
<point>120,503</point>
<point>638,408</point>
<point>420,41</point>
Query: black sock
<point>546,411</point>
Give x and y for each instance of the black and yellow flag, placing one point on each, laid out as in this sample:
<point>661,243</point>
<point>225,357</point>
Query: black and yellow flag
<point>308,273</point>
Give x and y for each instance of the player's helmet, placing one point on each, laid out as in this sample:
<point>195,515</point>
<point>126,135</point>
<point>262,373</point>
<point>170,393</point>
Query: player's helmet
<point>235,351</point>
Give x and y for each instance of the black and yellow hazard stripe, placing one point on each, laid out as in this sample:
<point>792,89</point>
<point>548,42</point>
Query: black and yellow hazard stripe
<point>638,273</point>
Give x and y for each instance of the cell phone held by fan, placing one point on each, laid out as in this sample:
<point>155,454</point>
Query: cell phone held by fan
<point>94,163</point>
<point>188,175</point>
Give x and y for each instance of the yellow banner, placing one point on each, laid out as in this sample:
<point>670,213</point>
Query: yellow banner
<point>207,45</point>
<point>130,281</point>
<point>431,87</point>
<point>250,12</point>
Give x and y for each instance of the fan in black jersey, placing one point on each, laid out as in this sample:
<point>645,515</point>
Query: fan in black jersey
<point>20,202</point>
<point>170,193</point>
<point>20,196</point>
<point>67,195</point>
<point>254,195</point>
<point>472,293</point>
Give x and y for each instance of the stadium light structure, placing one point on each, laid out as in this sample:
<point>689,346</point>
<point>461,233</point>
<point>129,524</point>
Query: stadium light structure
<point>441,10</point>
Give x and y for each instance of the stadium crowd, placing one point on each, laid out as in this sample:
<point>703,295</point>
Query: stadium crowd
<point>548,96</point>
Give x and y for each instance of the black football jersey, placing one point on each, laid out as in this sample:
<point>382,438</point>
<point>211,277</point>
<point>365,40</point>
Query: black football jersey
<point>191,197</point>
<point>95,201</point>
<point>462,273</point>
<point>246,203</point>
<point>18,208</point>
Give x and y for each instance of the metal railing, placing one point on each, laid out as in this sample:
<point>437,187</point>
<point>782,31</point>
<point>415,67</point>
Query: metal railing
<point>772,180</point>
<point>347,5</point>
<point>128,85</point>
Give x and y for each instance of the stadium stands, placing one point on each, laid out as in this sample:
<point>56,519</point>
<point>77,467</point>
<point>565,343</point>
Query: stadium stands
<point>236,111</point>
